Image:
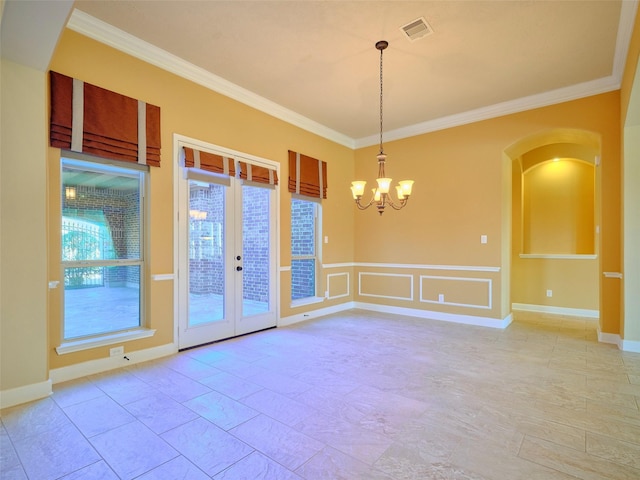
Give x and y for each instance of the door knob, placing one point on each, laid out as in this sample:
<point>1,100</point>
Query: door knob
<point>238,268</point>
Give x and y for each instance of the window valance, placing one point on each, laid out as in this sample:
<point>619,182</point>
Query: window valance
<point>258,174</point>
<point>86,118</point>
<point>210,162</point>
<point>307,175</point>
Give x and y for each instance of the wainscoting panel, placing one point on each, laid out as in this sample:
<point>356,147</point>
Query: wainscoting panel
<point>337,285</point>
<point>457,291</point>
<point>385,285</point>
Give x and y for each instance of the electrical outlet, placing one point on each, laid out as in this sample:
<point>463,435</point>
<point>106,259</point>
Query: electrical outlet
<point>116,351</point>
<point>549,293</point>
<point>441,297</point>
<point>483,239</point>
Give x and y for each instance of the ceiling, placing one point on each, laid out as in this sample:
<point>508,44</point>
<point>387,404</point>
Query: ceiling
<point>314,63</point>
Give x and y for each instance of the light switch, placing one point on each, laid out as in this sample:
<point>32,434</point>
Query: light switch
<point>483,239</point>
<point>326,239</point>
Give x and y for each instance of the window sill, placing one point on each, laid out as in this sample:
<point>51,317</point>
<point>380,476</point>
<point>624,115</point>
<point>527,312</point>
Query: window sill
<point>103,340</point>
<point>306,301</point>
<point>559,256</point>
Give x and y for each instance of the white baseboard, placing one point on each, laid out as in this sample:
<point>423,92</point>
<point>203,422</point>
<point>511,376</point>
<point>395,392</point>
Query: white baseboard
<point>629,346</point>
<point>431,315</point>
<point>321,312</point>
<point>27,393</point>
<point>574,312</point>
<point>91,367</point>
<point>612,338</point>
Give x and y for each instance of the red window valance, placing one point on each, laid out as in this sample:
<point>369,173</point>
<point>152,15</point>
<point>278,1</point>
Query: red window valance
<point>90,119</point>
<point>256,173</point>
<point>307,176</point>
<point>209,161</point>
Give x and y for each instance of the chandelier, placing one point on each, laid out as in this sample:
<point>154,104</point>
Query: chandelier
<point>381,197</point>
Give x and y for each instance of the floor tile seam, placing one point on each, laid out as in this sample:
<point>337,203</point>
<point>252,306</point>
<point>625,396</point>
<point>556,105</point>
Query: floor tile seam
<point>615,462</point>
<point>17,455</point>
<point>613,439</point>
<point>630,414</point>
<point>254,450</point>
<point>550,465</point>
<point>257,449</point>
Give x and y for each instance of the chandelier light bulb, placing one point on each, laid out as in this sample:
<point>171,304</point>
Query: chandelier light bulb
<point>381,197</point>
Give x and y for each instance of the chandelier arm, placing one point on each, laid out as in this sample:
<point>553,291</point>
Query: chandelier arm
<point>363,207</point>
<point>399,206</point>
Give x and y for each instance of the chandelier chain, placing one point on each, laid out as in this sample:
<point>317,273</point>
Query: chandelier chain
<point>381,149</point>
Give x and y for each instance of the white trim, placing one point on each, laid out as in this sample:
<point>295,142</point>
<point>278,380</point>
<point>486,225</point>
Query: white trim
<point>552,97</point>
<point>301,302</point>
<point>120,40</point>
<point>91,367</point>
<point>338,265</point>
<point>574,312</point>
<point>321,312</point>
<point>612,274</point>
<point>440,316</point>
<point>464,268</point>
<point>629,346</point>
<point>104,340</point>
<point>329,281</point>
<point>286,268</point>
<point>375,274</point>
<point>460,279</point>
<point>559,256</point>
<point>24,394</point>
<point>612,338</point>
<point>159,277</point>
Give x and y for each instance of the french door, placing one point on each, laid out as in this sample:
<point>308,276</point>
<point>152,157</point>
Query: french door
<point>226,279</point>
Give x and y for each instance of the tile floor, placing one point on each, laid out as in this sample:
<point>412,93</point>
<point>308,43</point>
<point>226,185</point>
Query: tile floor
<point>351,396</point>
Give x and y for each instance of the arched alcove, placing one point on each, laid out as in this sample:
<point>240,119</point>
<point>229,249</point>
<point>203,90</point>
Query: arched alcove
<point>552,222</point>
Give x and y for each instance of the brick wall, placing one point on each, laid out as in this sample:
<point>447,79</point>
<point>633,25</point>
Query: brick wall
<point>303,234</point>
<point>255,243</point>
<point>119,212</point>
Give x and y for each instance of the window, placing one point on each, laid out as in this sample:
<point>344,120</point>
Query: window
<point>102,248</point>
<point>304,248</point>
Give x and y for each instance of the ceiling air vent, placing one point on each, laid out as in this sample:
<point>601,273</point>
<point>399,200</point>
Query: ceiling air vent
<point>417,29</point>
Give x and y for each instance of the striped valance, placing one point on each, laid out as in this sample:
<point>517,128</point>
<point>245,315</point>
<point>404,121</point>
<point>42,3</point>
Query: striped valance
<point>90,119</point>
<point>258,174</point>
<point>307,176</point>
<point>209,161</point>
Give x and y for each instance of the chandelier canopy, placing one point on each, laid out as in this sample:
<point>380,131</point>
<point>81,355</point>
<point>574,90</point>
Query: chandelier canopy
<point>381,197</point>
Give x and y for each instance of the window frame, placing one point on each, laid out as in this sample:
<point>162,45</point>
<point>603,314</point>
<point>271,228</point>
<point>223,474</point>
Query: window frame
<point>90,163</point>
<point>317,257</point>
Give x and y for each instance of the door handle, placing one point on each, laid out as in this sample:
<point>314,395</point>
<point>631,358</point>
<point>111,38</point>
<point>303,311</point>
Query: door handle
<point>238,268</point>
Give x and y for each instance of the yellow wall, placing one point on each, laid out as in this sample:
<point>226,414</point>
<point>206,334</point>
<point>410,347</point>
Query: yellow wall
<point>462,191</point>
<point>23,241</point>
<point>558,208</point>
<point>458,196</point>
<point>193,111</point>
<point>574,282</point>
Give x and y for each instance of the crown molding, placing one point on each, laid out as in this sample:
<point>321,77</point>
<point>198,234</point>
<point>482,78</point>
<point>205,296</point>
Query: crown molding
<point>109,35</point>
<point>545,99</point>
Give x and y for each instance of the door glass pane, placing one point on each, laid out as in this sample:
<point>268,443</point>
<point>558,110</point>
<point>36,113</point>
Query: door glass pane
<point>255,250</point>
<point>206,252</point>
<point>100,230</point>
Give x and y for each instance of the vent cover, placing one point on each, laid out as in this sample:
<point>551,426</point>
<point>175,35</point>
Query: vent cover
<point>417,29</point>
